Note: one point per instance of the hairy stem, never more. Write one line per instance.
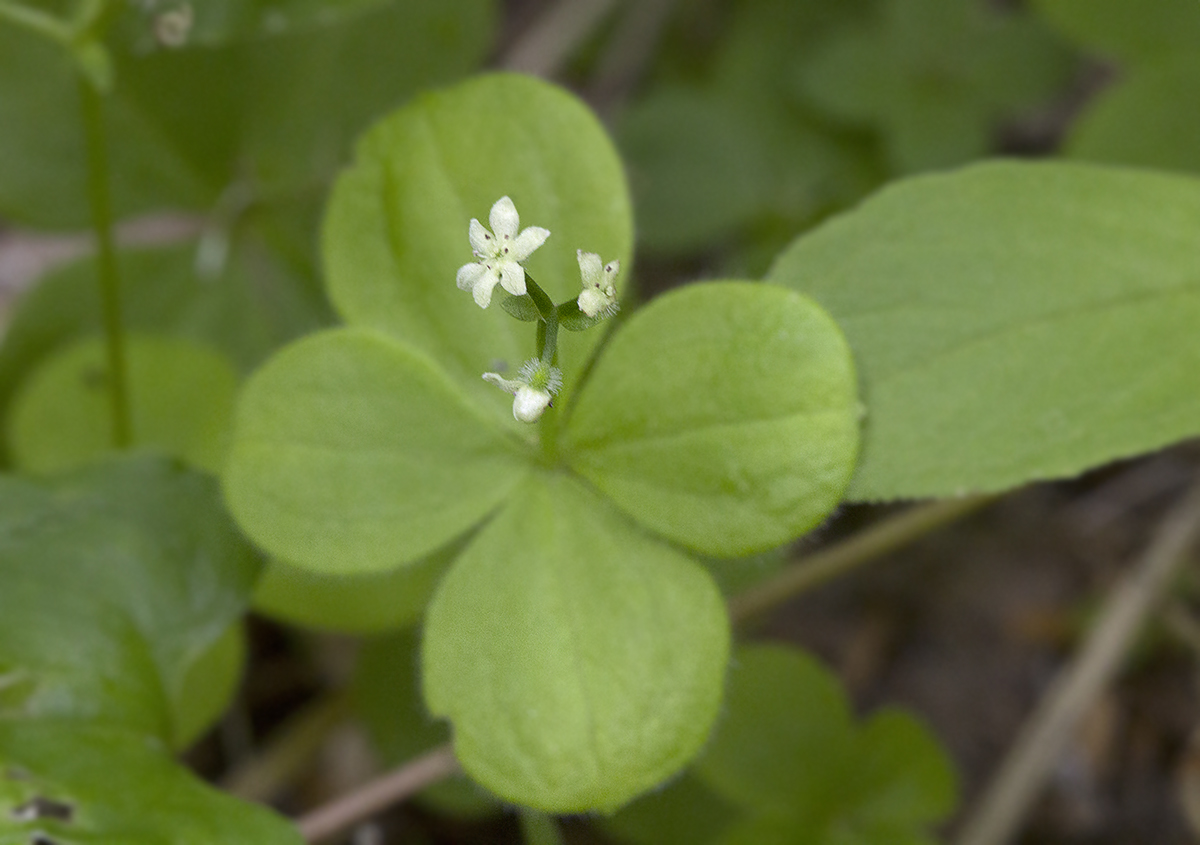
(100, 197)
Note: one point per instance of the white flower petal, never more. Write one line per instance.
(505, 384)
(590, 267)
(504, 219)
(611, 269)
(482, 242)
(482, 291)
(468, 275)
(512, 277)
(530, 403)
(527, 242)
(592, 302)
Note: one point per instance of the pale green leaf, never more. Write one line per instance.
(723, 416)
(180, 401)
(354, 454)
(1012, 322)
(363, 603)
(396, 231)
(579, 662)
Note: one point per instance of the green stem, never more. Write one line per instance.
(538, 828)
(883, 537)
(100, 197)
(37, 21)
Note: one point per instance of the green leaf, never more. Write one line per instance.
(42, 160)
(210, 684)
(116, 580)
(215, 22)
(245, 311)
(1130, 31)
(935, 76)
(699, 171)
(521, 307)
(685, 812)
(783, 742)
(180, 395)
(355, 604)
(788, 752)
(388, 699)
(396, 230)
(115, 788)
(723, 416)
(579, 662)
(1012, 322)
(354, 454)
(1150, 117)
(193, 128)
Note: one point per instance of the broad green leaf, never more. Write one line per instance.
(180, 397)
(579, 662)
(783, 742)
(357, 604)
(249, 308)
(42, 159)
(396, 230)
(934, 76)
(227, 125)
(1129, 31)
(699, 171)
(354, 454)
(723, 416)
(76, 783)
(116, 580)
(1150, 118)
(1012, 322)
(788, 753)
(214, 22)
(685, 812)
(387, 697)
(209, 685)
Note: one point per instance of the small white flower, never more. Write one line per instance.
(599, 296)
(499, 253)
(534, 386)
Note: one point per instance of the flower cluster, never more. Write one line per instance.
(500, 255)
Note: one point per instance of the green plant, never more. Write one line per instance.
(565, 551)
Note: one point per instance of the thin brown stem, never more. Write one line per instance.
(289, 751)
(885, 536)
(376, 796)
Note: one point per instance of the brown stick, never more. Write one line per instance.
(376, 796)
(999, 813)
